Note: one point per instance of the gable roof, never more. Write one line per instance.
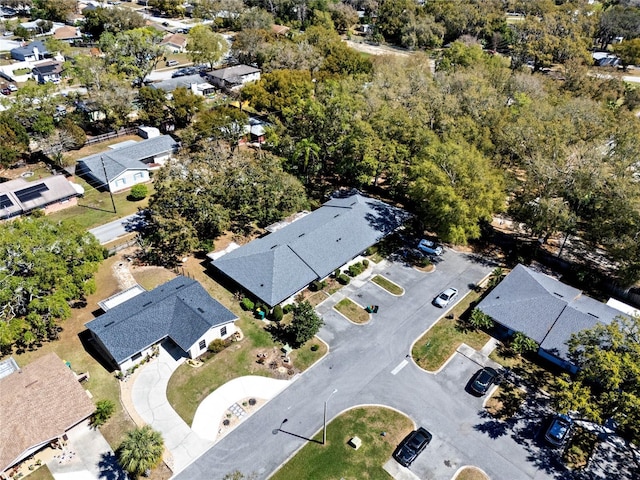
(127, 157)
(544, 309)
(38, 404)
(27, 50)
(180, 309)
(47, 68)
(67, 32)
(170, 84)
(278, 265)
(176, 39)
(20, 196)
(233, 74)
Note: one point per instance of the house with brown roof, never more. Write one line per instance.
(175, 43)
(279, 30)
(40, 403)
(67, 34)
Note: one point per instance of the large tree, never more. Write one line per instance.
(205, 46)
(141, 450)
(46, 265)
(607, 385)
(15, 139)
(304, 325)
(114, 20)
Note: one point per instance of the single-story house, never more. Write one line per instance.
(67, 33)
(279, 29)
(34, 51)
(126, 163)
(233, 77)
(545, 310)
(605, 59)
(277, 266)
(180, 310)
(40, 403)
(195, 83)
(54, 193)
(175, 43)
(49, 71)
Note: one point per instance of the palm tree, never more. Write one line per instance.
(307, 153)
(141, 450)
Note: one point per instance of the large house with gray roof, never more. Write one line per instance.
(127, 163)
(279, 265)
(545, 310)
(180, 311)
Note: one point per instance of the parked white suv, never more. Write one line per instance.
(429, 247)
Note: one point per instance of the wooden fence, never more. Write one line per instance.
(109, 135)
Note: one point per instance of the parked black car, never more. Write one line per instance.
(412, 446)
(483, 379)
(559, 430)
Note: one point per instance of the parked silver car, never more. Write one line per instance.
(445, 297)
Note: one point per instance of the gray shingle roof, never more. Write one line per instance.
(27, 50)
(276, 266)
(170, 84)
(180, 309)
(544, 309)
(233, 73)
(128, 157)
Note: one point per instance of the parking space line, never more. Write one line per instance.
(400, 366)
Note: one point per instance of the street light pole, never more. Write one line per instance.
(324, 422)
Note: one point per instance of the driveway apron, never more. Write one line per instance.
(149, 395)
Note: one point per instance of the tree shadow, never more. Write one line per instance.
(109, 468)
(493, 428)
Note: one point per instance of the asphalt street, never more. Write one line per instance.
(111, 231)
(368, 364)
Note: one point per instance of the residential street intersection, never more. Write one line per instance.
(368, 364)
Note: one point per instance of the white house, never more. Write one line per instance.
(179, 311)
(234, 77)
(126, 164)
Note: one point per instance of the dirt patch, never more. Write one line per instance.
(505, 402)
(273, 359)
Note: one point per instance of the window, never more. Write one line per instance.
(223, 331)
(137, 356)
(138, 176)
(120, 182)
(202, 344)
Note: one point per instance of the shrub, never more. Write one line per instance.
(343, 279)
(356, 269)
(217, 345)
(369, 251)
(247, 304)
(314, 347)
(138, 192)
(520, 343)
(104, 410)
(277, 313)
(424, 262)
(287, 308)
(336, 273)
(365, 263)
(317, 285)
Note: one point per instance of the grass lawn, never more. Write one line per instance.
(42, 473)
(441, 341)
(95, 208)
(353, 312)
(577, 454)
(388, 285)
(337, 460)
(471, 473)
(505, 402)
(102, 384)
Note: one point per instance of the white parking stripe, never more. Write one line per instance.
(400, 366)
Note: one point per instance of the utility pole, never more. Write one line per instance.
(104, 169)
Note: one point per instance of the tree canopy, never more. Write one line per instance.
(46, 265)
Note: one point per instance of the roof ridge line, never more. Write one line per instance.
(303, 260)
(566, 305)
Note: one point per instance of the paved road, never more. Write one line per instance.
(111, 231)
(360, 366)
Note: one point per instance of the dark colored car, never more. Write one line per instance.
(5, 91)
(483, 379)
(412, 446)
(559, 430)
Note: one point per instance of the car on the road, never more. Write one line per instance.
(444, 298)
(5, 91)
(165, 24)
(483, 379)
(12, 87)
(430, 247)
(559, 430)
(412, 445)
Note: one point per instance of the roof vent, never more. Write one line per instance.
(353, 204)
(339, 239)
(146, 304)
(109, 324)
(556, 293)
(180, 286)
(593, 315)
(200, 310)
(336, 215)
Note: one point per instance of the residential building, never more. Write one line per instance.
(231, 78)
(40, 403)
(175, 43)
(33, 51)
(126, 164)
(49, 71)
(179, 311)
(275, 267)
(545, 310)
(54, 193)
(67, 33)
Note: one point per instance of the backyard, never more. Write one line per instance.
(380, 430)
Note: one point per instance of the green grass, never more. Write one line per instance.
(42, 473)
(433, 349)
(337, 460)
(583, 443)
(95, 207)
(388, 285)
(304, 357)
(352, 311)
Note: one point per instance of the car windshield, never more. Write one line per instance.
(444, 296)
(559, 428)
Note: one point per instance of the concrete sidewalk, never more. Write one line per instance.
(212, 409)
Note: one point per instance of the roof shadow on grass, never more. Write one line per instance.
(92, 349)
